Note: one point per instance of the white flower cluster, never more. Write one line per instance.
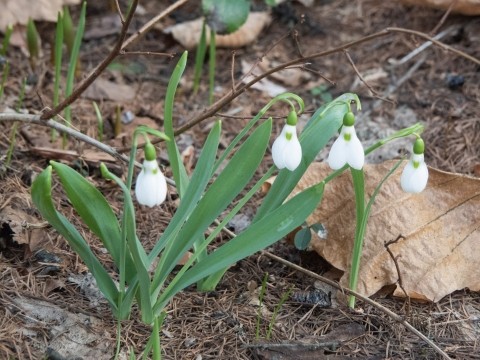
(347, 149)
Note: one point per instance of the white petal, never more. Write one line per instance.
(287, 152)
(337, 157)
(278, 151)
(151, 185)
(293, 154)
(355, 153)
(414, 180)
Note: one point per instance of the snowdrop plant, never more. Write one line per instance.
(144, 277)
(415, 174)
(151, 185)
(286, 150)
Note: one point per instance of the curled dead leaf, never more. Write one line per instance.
(188, 33)
(439, 251)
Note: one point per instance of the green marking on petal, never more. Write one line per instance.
(416, 164)
(154, 171)
(288, 136)
(347, 137)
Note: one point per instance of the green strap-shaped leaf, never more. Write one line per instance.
(199, 181)
(42, 198)
(137, 252)
(323, 125)
(258, 236)
(219, 195)
(178, 169)
(95, 212)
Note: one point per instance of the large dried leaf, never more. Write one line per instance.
(441, 227)
(188, 33)
(19, 11)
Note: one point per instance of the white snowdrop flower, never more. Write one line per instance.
(347, 149)
(415, 174)
(286, 149)
(151, 185)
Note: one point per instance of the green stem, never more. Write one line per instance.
(359, 187)
(157, 324)
(211, 69)
(119, 332)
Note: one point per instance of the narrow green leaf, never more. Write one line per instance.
(362, 225)
(75, 51)
(211, 67)
(258, 236)
(95, 212)
(199, 182)
(219, 195)
(6, 40)
(200, 58)
(140, 261)
(42, 198)
(58, 58)
(178, 169)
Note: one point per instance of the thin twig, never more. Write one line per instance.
(362, 79)
(297, 43)
(436, 42)
(365, 299)
(422, 47)
(397, 267)
(444, 17)
(119, 11)
(139, 33)
(318, 73)
(148, 53)
(85, 83)
(226, 99)
(36, 119)
(120, 46)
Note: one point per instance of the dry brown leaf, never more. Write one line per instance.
(441, 228)
(19, 11)
(188, 33)
(466, 7)
(24, 228)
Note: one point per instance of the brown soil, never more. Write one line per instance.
(436, 87)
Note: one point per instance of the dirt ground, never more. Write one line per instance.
(49, 307)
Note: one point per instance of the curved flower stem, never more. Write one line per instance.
(358, 177)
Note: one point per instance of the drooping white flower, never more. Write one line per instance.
(151, 185)
(286, 149)
(347, 149)
(415, 174)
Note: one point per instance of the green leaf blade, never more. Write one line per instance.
(42, 198)
(219, 195)
(178, 169)
(258, 236)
